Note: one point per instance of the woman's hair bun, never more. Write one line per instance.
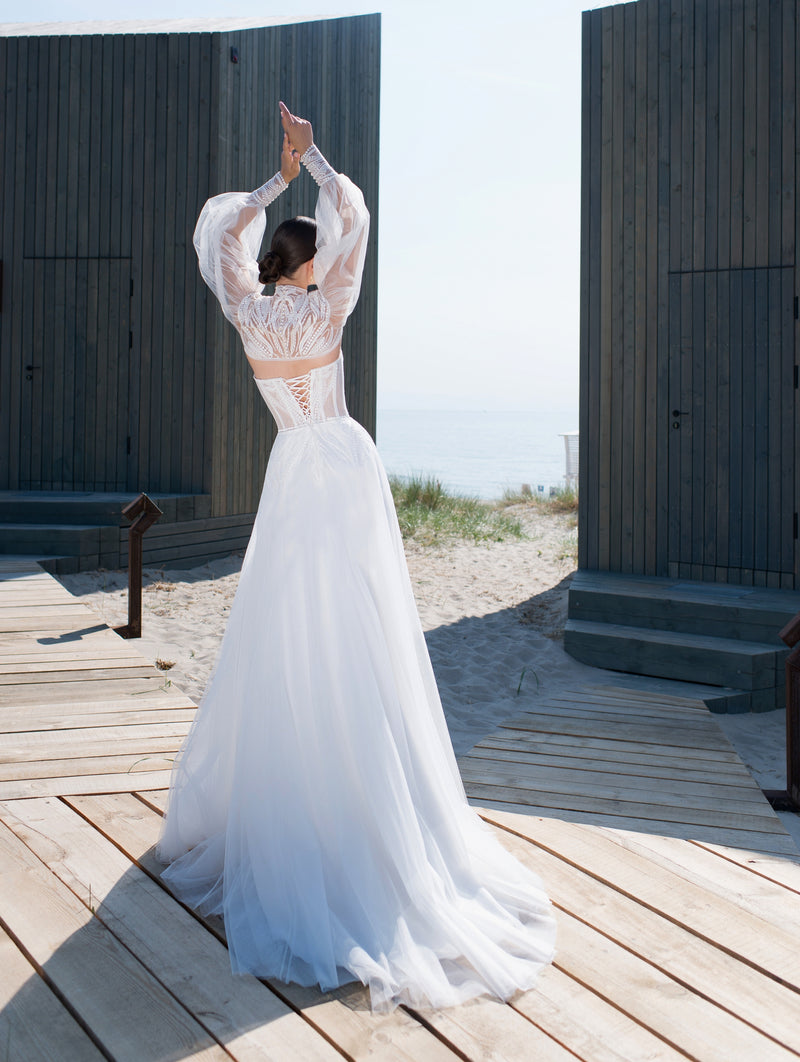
(270, 268)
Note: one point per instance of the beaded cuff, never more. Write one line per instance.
(268, 192)
(317, 165)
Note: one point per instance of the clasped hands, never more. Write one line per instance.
(298, 137)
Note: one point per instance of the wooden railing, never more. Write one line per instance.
(144, 512)
(788, 799)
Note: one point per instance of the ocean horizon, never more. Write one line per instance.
(477, 452)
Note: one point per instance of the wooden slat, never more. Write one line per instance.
(254, 1023)
(723, 987)
(726, 922)
(734, 882)
(34, 1024)
(128, 1010)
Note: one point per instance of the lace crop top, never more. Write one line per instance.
(293, 323)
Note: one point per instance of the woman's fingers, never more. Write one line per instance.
(299, 130)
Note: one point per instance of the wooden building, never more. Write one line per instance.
(118, 372)
(689, 470)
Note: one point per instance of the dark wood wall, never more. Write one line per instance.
(689, 405)
(111, 143)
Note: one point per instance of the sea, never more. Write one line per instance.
(481, 453)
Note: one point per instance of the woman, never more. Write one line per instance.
(316, 803)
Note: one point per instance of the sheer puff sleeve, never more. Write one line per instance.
(342, 231)
(228, 238)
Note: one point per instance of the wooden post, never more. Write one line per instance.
(143, 512)
(789, 799)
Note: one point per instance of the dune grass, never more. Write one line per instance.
(564, 500)
(430, 515)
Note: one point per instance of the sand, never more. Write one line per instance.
(493, 615)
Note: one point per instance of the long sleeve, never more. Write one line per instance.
(342, 231)
(228, 238)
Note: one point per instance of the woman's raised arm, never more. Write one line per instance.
(229, 233)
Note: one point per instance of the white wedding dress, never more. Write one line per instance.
(316, 803)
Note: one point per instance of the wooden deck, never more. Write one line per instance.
(675, 883)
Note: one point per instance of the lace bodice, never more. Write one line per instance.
(292, 324)
(314, 396)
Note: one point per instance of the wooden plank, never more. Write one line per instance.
(587, 1025)
(486, 1025)
(341, 1016)
(720, 921)
(25, 674)
(666, 794)
(44, 744)
(66, 785)
(586, 726)
(736, 1000)
(238, 1012)
(782, 868)
(585, 762)
(776, 846)
(34, 1023)
(52, 770)
(605, 352)
(719, 877)
(131, 1015)
(68, 718)
(615, 366)
(603, 745)
(637, 327)
(737, 134)
(705, 818)
(79, 692)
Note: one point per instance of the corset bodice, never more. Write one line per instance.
(312, 397)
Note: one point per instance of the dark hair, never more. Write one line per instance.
(293, 243)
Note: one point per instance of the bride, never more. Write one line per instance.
(316, 803)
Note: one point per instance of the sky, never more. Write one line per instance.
(479, 190)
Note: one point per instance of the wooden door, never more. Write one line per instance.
(76, 350)
(732, 411)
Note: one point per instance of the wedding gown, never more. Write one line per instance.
(316, 803)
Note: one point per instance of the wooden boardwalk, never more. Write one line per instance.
(675, 883)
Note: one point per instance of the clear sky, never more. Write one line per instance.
(480, 190)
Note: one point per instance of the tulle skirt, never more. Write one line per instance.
(316, 803)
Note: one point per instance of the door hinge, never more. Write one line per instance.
(796, 376)
(129, 450)
(797, 307)
(130, 340)
(132, 289)
(795, 525)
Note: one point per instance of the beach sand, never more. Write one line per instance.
(493, 615)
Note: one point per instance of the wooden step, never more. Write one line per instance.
(94, 507)
(745, 613)
(752, 666)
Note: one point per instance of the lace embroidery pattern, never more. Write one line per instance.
(288, 324)
(317, 165)
(269, 192)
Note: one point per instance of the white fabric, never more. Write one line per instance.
(316, 803)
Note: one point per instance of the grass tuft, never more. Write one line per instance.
(430, 515)
(564, 500)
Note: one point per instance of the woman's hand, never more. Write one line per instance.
(298, 130)
(290, 161)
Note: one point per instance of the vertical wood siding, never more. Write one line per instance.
(689, 418)
(111, 144)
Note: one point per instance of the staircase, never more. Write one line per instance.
(722, 636)
(71, 531)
